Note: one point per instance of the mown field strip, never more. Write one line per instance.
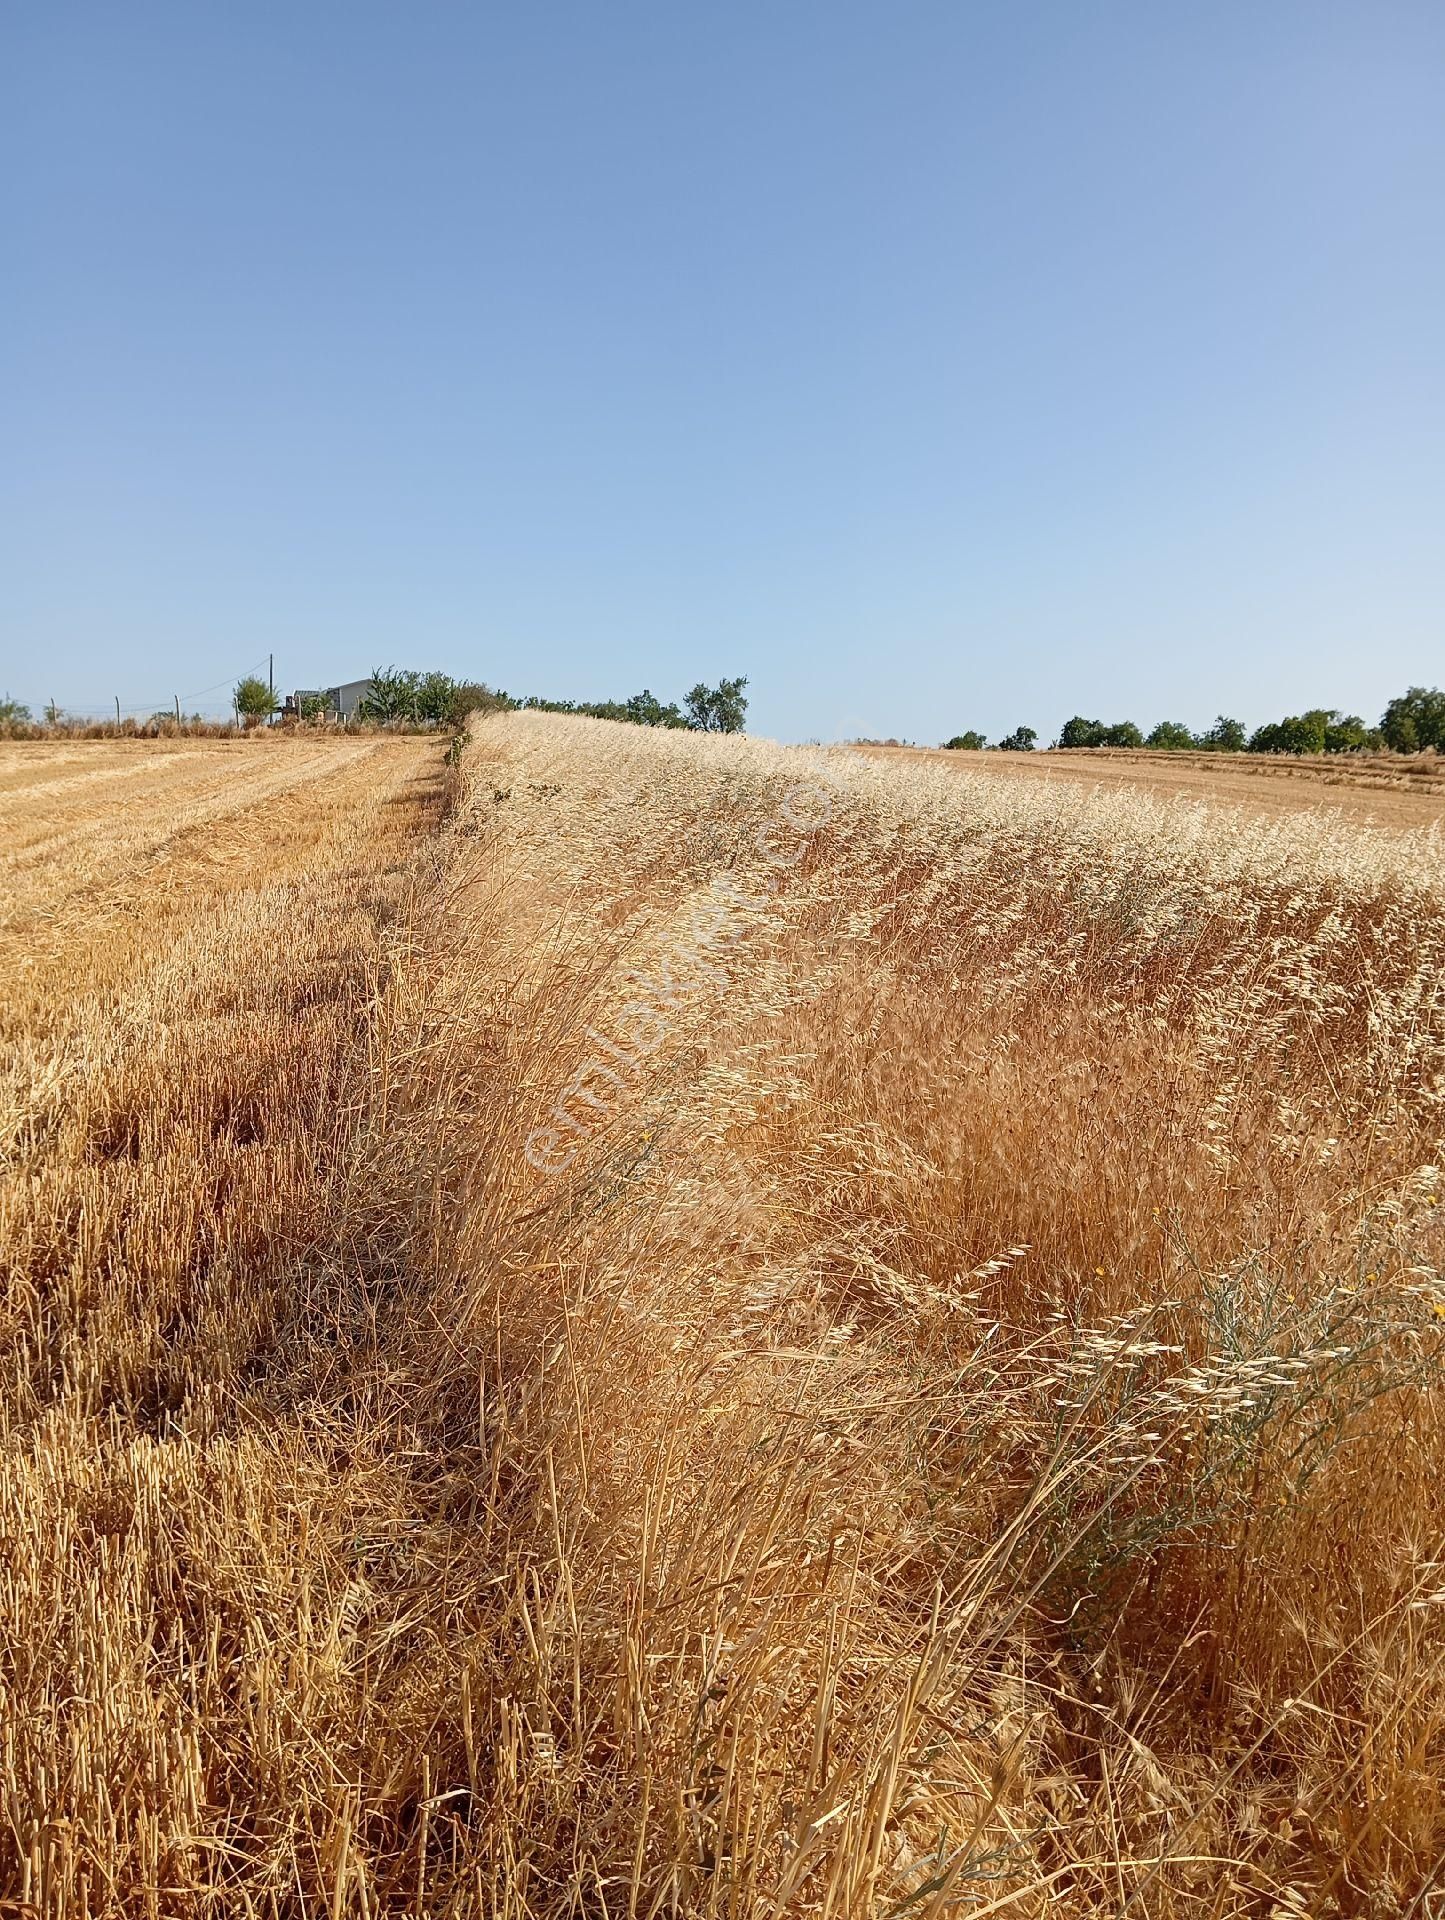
(1395, 792)
(33, 778)
(202, 830)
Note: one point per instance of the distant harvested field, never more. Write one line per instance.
(652, 1324)
(108, 848)
(1389, 790)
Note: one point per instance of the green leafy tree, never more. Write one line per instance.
(1021, 740)
(432, 698)
(1414, 721)
(13, 713)
(719, 709)
(646, 710)
(1347, 733)
(393, 696)
(1170, 736)
(970, 742)
(312, 706)
(1080, 732)
(1296, 733)
(255, 701)
(1225, 736)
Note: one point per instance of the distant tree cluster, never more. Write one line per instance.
(638, 709)
(1080, 732)
(1021, 740)
(399, 695)
(719, 709)
(427, 699)
(1415, 720)
(1412, 723)
(1169, 736)
(1320, 730)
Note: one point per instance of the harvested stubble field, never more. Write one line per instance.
(1386, 789)
(649, 1324)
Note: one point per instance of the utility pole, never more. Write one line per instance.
(117, 713)
(178, 709)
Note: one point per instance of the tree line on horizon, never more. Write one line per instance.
(399, 694)
(1413, 722)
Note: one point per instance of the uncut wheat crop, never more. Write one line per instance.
(650, 1324)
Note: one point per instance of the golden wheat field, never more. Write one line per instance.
(633, 1323)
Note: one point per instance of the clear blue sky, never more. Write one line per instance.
(935, 365)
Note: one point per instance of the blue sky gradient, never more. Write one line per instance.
(935, 365)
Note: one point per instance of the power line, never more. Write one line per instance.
(164, 701)
(151, 706)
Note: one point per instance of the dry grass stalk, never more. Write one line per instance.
(960, 1432)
